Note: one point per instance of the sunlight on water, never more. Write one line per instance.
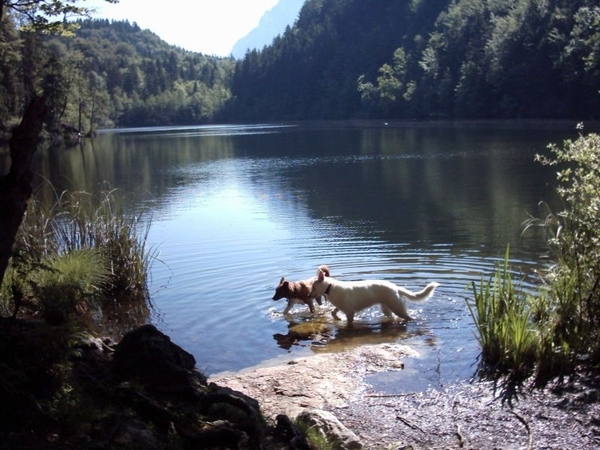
(201, 130)
(228, 238)
(236, 207)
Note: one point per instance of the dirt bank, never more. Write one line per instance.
(481, 415)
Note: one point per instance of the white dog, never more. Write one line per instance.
(353, 296)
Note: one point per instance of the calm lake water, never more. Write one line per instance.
(234, 208)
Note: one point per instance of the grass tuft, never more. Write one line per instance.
(504, 324)
(83, 251)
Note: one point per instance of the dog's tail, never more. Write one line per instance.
(420, 296)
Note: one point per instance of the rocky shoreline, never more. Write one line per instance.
(61, 391)
(478, 415)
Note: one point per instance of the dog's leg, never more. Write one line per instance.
(385, 309)
(288, 307)
(310, 306)
(350, 317)
(334, 314)
(399, 308)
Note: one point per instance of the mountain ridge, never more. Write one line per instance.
(272, 23)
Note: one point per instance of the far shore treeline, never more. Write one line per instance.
(342, 59)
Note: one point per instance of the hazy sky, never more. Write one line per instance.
(211, 27)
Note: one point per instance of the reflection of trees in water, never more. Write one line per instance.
(146, 165)
(441, 183)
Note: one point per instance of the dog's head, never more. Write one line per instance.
(293, 289)
(282, 290)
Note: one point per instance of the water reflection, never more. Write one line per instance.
(234, 209)
(321, 333)
(406, 183)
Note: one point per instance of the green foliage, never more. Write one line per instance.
(574, 281)
(82, 253)
(391, 85)
(46, 16)
(458, 59)
(111, 74)
(315, 437)
(558, 329)
(67, 282)
(342, 59)
(311, 71)
(508, 338)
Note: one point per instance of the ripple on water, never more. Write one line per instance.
(228, 241)
(219, 300)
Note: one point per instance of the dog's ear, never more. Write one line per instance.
(282, 280)
(320, 275)
(325, 269)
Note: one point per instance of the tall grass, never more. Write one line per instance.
(69, 281)
(504, 323)
(82, 249)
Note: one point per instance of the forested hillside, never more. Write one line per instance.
(427, 59)
(342, 59)
(110, 74)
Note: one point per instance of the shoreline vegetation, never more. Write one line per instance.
(86, 254)
(81, 254)
(554, 333)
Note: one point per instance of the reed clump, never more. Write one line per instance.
(503, 318)
(81, 252)
(557, 330)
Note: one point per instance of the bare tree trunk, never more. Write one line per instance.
(15, 187)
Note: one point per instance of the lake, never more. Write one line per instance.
(236, 207)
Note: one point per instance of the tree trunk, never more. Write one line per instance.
(15, 187)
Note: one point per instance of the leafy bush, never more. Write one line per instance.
(573, 281)
(69, 281)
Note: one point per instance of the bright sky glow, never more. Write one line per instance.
(211, 27)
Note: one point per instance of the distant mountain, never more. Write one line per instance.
(272, 24)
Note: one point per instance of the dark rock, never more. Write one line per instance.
(148, 356)
(134, 434)
(222, 437)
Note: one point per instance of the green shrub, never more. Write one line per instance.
(82, 250)
(73, 280)
(573, 282)
(315, 438)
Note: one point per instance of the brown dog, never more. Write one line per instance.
(298, 291)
